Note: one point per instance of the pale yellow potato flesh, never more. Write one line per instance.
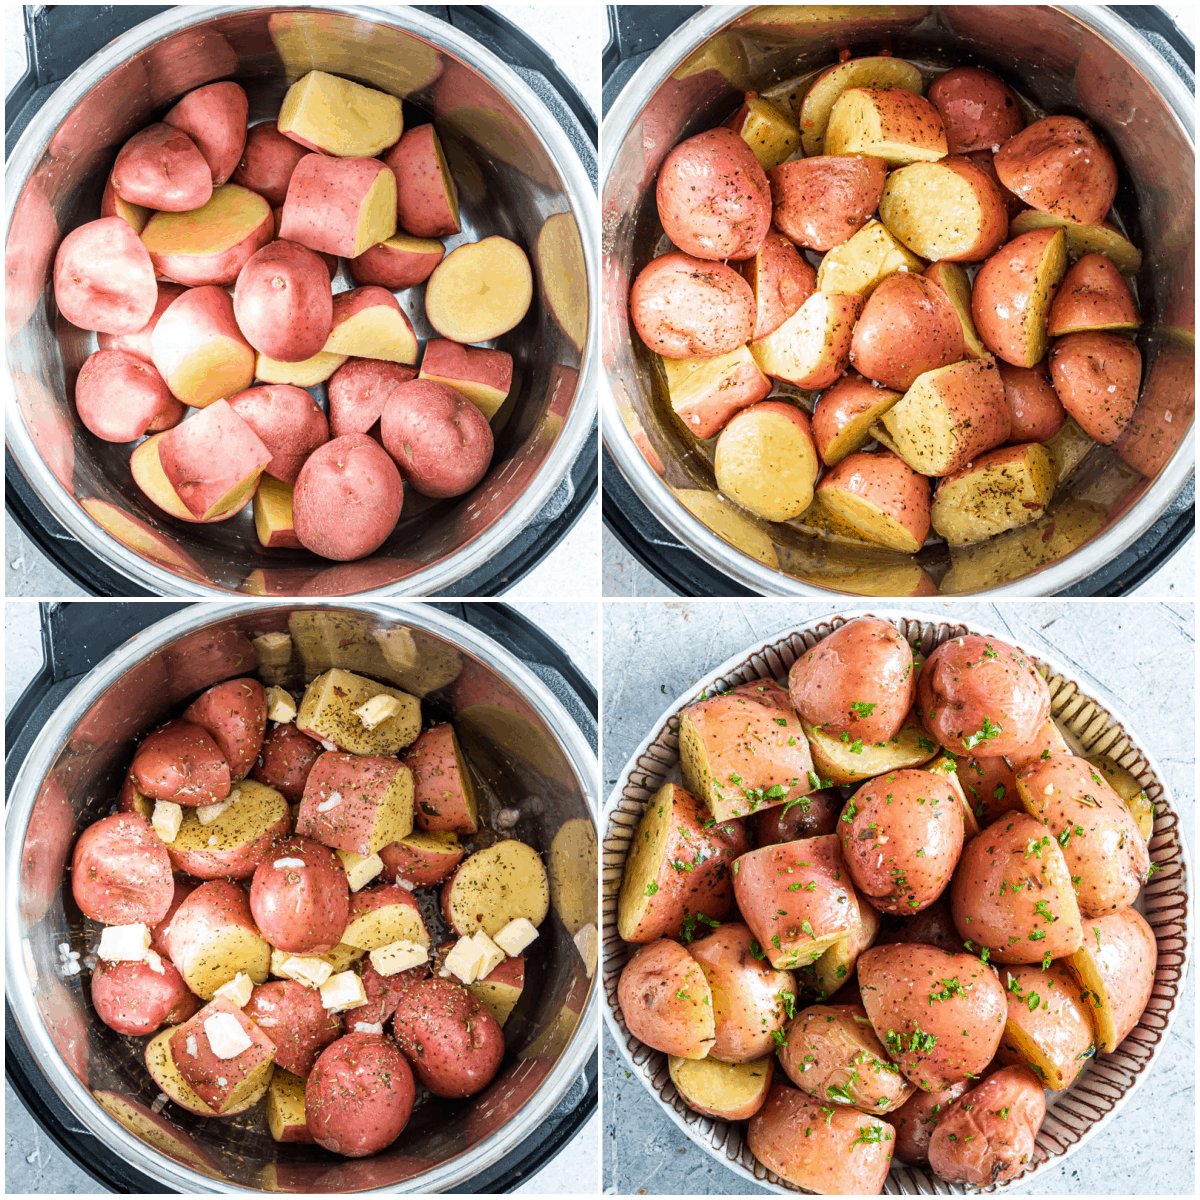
(767, 464)
(772, 136)
(479, 291)
(305, 374)
(230, 949)
(380, 332)
(714, 1087)
(499, 884)
(873, 524)
(341, 117)
(385, 925)
(933, 211)
(954, 281)
(161, 1065)
(328, 711)
(497, 997)
(979, 503)
(1083, 239)
(256, 809)
(814, 109)
(230, 216)
(643, 864)
(860, 264)
(853, 761)
(285, 1103)
(1127, 787)
(857, 126)
(1068, 448)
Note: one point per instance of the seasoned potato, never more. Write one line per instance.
(844, 414)
(295, 1020)
(828, 974)
(666, 1001)
(1127, 787)
(1101, 843)
(136, 998)
(807, 817)
(300, 898)
(766, 460)
(233, 844)
(881, 497)
(379, 916)
(1049, 1026)
(853, 760)
(285, 1108)
(443, 790)
(781, 281)
(812, 347)
(212, 936)
(917, 1118)
(953, 280)
(120, 872)
(1092, 296)
(726, 1091)
(706, 392)
(220, 1081)
(182, 763)
(678, 866)
(1047, 741)
(1097, 376)
(160, 1063)
(494, 886)
(889, 123)
(940, 1016)
(356, 802)
(1012, 893)
(820, 202)
(1035, 412)
(1000, 490)
(979, 111)
(770, 133)
(858, 266)
(818, 101)
(328, 712)
(932, 926)
(1083, 238)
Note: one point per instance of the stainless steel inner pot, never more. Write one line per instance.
(1081, 60)
(528, 754)
(518, 175)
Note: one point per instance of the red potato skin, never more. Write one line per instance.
(394, 269)
(134, 999)
(286, 758)
(331, 261)
(419, 869)
(814, 815)
(684, 307)
(162, 168)
(422, 208)
(991, 787)
(288, 421)
(820, 202)
(358, 390)
(361, 780)
(983, 160)
(969, 678)
(158, 935)
(1093, 292)
(978, 110)
(295, 1020)
(1125, 938)
(908, 326)
(384, 991)
(445, 362)
(709, 411)
(453, 1043)
(196, 315)
(1008, 274)
(215, 903)
(323, 201)
(267, 162)
(347, 498)
(714, 200)
(347, 305)
(104, 279)
(889, 483)
(916, 1119)
(302, 910)
(840, 403)
(439, 796)
(1084, 367)
(214, 117)
(138, 344)
(236, 862)
(359, 1095)
(180, 762)
(440, 441)
(234, 714)
(282, 301)
(120, 872)
(119, 397)
(1034, 408)
(213, 1078)
(781, 280)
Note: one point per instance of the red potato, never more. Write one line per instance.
(356, 802)
(766, 460)
(714, 201)
(908, 326)
(1092, 296)
(666, 1001)
(819, 202)
(146, 467)
(684, 307)
(267, 162)
(397, 263)
(340, 206)
(990, 785)
(440, 441)
(232, 844)
(844, 414)
(1035, 410)
(199, 350)
(443, 792)
(304, 374)
(811, 816)
(954, 281)
(299, 897)
(384, 991)
(162, 168)
(359, 1095)
(894, 124)
(812, 347)
(221, 1082)
(285, 760)
(135, 999)
(984, 160)
(781, 281)
(212, 937)
(213, 461)
(285, 1108)
(182, 763)
(273, 514)
(120, 872)
(288, 421)
(1097, 377)
(337, 116)
(453, 1043)
(422, 859)
(214, 117)
(331, 262)
(111, 205)
(479, 291)
(347, 498)
(358, 390)
(295, 1020)
(706, 392)
(282, 302)
(158, 935)
(426, 195)
(1058, 165)
(103, 278)
(881, 497)
(917, 1118)
(138, 343)
(119, 397)
(1115, 966)
(234, 714)
(368, 322)
(483, 376)
(978, 110)
(382, 915)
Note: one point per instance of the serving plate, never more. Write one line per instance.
(1091, 720)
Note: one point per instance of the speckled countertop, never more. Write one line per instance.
(1144, 653)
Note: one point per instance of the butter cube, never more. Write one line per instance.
(398, 956)
(280, 705)
(273, 649)
(124, 943)
(342, 992)
(311, 972)
(516, 935)
(493, 956)
(237, 990)
(206, 814)
(166, 819)
(359, 870)
(377, 710)
(226, 1037)
(464, 960)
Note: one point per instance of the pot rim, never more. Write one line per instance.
(742, 567)
(579, 191)
(48, 744)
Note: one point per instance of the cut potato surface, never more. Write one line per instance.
(881, 497)
(953, 280)
(889, 123)
(818, 102)
(706, 392)
(285, 1107)
(726, 1091)
(1140, 806)
(305, 374)
(1083, 239)
(858, 266)
(998, 491)
(1049, 1026)
(233, 844)
(811, 348)
(165, 1073)
(328, 714)
(339, 117)
(766, 130)
(766, 460)
(726, 520)
(479, 291)
(852, 761)
(494, 886)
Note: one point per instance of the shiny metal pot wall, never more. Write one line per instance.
(529, 756)
(517, 174)
(1082, 60)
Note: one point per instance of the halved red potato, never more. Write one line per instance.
(1049, 1026)
(158, 935)
(212, 937)
(705, 392)
(1012, 204)
(267, 162)
(285, 1107)
(881, 71)
(1000, 490)
(1047, 741)
(111, 205)
(858, 266)
(812, 347)
(232, 845)
(853, 760)
(160, 167)
(162, 1068)
(1035, 412)
(882, 497)
(978, 110)
(426, 194)
(766, 460)
(1013, 292)
(444, 798)
(182, 763)
(300, 898)
(780, 279)
(763, 126)
(1097, 377)
(422, 859)
(119, 397)
(234, 714)
(382, 915)
(835, 968)
(949, 210)
(726, 1091)
(136, 998)
(397, 263)
(295, 1020)
(138, 344)
(103, 278)
(1092, 296)
(666, 1001)
(820, 202)
(1083, 238)
(952, 279)
(889, 123)
(1059, 166)
(214, 117)
(494, 886)
(1127, 786)
(844, 414)
(220, 1080)
(286, 758)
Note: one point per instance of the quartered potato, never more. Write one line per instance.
(1000, 490)
(328, 713)
(818, 101)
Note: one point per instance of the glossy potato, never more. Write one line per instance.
(236, 841)
(881, 498)
(766, 460)
(858, 266)
(781, 280)
(1093, 296)
(182, 763)
(820, 202)
(1049, 1025)
(1000, 490)
(844, 414)
(978, 110)
(917, 1118)
(884, 71)
(134, 998)
(889, 123)
(836, 966)
(812, 347)
(766, 130)
(807, 817)
(1084, 238)
(666, 1002)
(295, 1020)
(299, 897)
(726, 1091)
(705, 392)
(1097, 376)
(1035, 412)
(120, 872)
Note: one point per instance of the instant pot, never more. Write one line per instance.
(671, 72)
(527, 721)
(521, 144)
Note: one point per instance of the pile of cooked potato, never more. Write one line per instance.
(944, 275)
(209, 279)
(904, 964)
(254, 891)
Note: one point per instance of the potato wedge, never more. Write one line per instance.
(706, 392)
(494, 886)
(812, 347)
(1129, 789)
(238, 840)
(1000, 490)
(726, 1091)
(285, 1108)
(730, 522)
(837, 964)
(1068, 447)
(781, 281)
(766, 129)
(1049, 1026)
(1035, 412)
(1097, 376)
(878, 72)
(858, 266)
(890, 123)
(766, 460)
(1093, 296)
(844, 414)
(952, 279)
(380, 916)
(1083, 239)
(161, 1065)
(880, 496)
(851, 761)
(328, 713)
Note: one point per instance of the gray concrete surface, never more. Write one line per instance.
(1144, 653)
(34, 1165)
